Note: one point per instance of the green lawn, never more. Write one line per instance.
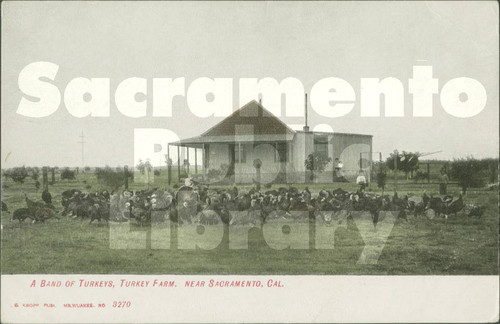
(419, 246)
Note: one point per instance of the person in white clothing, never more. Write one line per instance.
(338, 169)
(361, 180)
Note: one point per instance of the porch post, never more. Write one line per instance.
(169, 167)
(286, 162)
(187, 157)
(334, 172)
(178, 163)
(239, 162)
(290, 159)
(277, 157)
(204, 160)
(195, 160)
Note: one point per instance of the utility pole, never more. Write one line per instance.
(82, 142)
(396, 156)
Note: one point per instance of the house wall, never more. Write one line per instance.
(327, 175)
(245, 172)
(301, 146)
(348, 147)
(218, 155)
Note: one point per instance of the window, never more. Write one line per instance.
(238, 153)
(321, 144)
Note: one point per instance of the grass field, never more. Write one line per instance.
(419, 246)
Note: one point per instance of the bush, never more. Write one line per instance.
(109, 178)
(66, 173)
(316, 161)
(157, 172)
(469, 173)
(18, 174)
(381, 179)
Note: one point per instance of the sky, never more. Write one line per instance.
(305, 40)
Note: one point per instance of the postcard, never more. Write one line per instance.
(249, 161)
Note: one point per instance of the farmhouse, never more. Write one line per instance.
(254, 145)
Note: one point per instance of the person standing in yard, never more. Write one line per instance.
(338, 169)
(443, 182)
(361, 180)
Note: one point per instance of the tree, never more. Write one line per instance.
(406, 162)
(316, 161)
(18, 174)
(6, 174)
(466, 171)
(66, 173)
(35, 173)
(381, 180)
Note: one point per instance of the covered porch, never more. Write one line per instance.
(232, 158)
